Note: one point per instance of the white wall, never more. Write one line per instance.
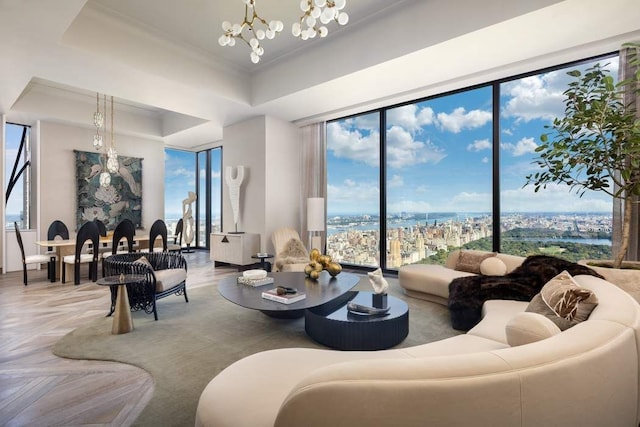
(269, 148)
(57, 173)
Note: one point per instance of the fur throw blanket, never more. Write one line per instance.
(467, 294)
(293, 252)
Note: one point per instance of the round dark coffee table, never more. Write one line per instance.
(334, 326)
(318, 292)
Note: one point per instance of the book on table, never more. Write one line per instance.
(272, 294)
(255, 282)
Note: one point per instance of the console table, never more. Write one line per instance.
(235, 249)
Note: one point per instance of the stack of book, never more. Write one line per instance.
(272, 294)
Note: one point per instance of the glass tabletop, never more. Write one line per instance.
(123, 279)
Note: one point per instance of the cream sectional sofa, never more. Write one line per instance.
(431, 282)
(586, 375)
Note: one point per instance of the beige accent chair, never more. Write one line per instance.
(282, 260)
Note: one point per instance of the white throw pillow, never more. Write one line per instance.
(526, 327)
(493, 266)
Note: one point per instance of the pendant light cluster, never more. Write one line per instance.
(316, 15)
(109, 151)
(249, 32)
(324, 11)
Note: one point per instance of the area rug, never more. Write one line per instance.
(191, 343)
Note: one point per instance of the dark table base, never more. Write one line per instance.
(334, 326)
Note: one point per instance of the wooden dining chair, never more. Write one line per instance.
(158, 229)
(56, 229)
(87, 232)
(125, 230)
(30, 259)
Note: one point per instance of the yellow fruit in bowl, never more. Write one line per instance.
(314, 274)
(314, 254)
(334, 269)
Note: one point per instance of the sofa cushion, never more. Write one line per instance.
(469, 261)
(525, 328)
(167, 279)
(563, 301)
(568, 299)
(495, 316)
(493, 266)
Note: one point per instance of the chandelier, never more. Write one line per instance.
(324, 11)
(249, 32)
(109, 152)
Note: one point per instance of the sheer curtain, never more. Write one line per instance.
(313, 170)
(626, 70)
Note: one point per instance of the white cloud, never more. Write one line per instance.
(352, 144)
(555, 198)
(183, 172)
(395, 181)
(485, 160)
(459, 119)
(479, 145)
(535, 97)
(541, 96)
(364, 196)
(410, 117)
(522, 147)
(215, 174)
(403, 150)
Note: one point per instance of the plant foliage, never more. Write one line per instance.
(596, 145)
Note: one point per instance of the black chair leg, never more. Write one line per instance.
(64, 272)
(24, 274)
(52, 269)
(76, 273)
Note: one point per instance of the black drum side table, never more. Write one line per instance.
(336, 327)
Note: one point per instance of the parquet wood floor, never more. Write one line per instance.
(40, 389)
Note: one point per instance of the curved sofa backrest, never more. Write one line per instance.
(586, 375)
(511, 261)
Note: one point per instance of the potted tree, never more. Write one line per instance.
(596, 145)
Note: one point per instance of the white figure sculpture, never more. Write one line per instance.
(379, 283)
(234, 190)
(188, 230)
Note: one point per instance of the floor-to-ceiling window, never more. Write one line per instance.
(452, 175)
(199, 172)
(17, 168)
(353, 190)
(216, 190)
(179, 180)
(554, 220)
(438, 175)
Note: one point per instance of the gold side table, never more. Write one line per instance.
(122, 322)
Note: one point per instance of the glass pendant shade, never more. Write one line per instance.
(105, 179)
(98, 119)
(98, 142)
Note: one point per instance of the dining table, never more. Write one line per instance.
(64, 247)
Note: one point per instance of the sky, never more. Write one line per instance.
(13, 137)
(180, 178)
(439, 153)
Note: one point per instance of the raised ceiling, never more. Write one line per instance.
(162, 62)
